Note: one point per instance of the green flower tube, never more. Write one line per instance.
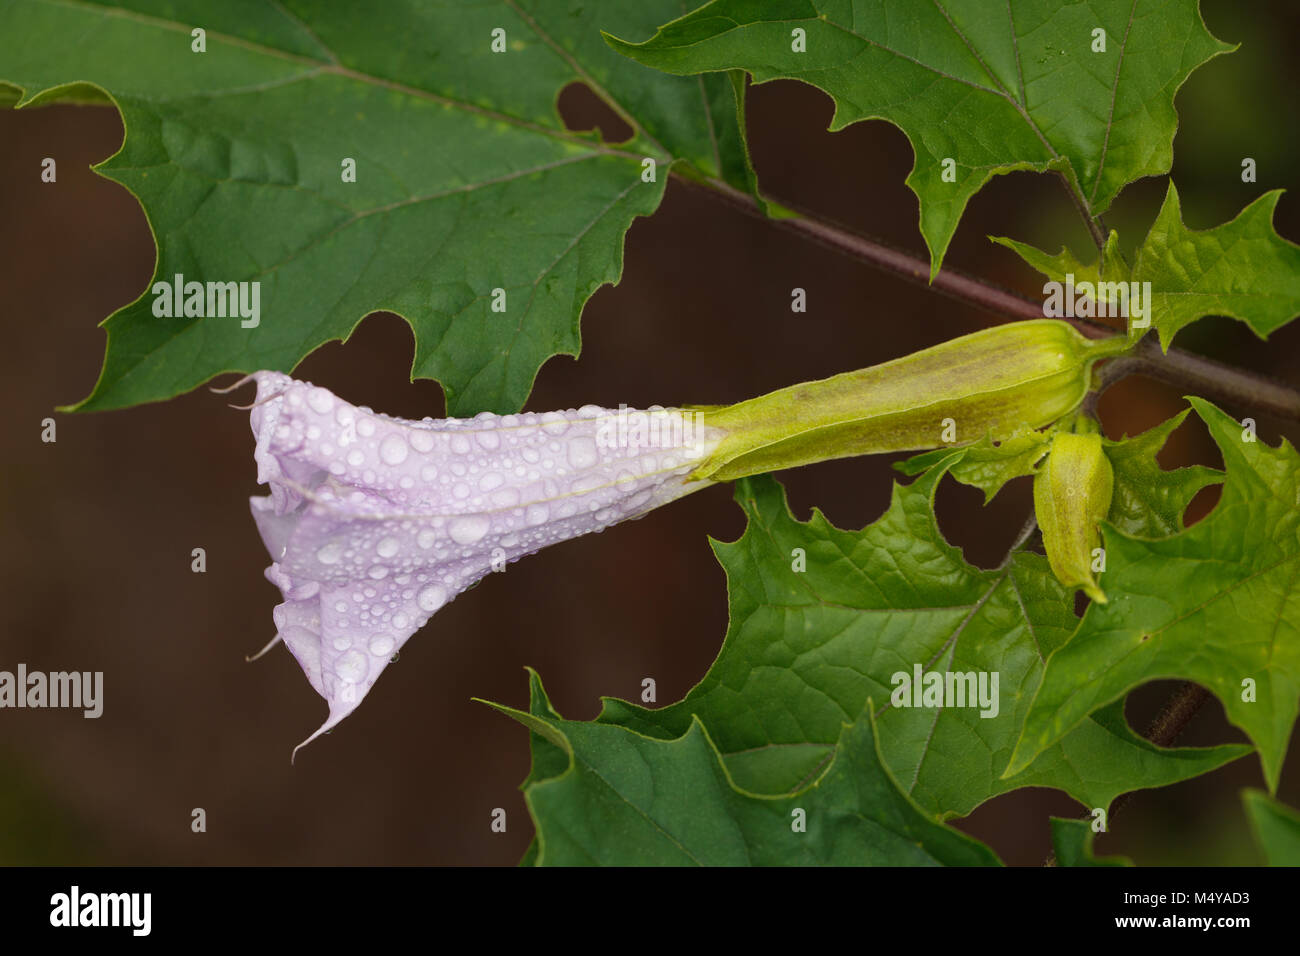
(994, 382)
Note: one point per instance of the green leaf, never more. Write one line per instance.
(1242, 269)
(531, 854)
(466, 179)
(1072, 843)
(1109, 264)
(549, 760)
(1148, 501)
(987, 465)
(1093, 283)
(624, 799)
(993, 87)
(1218, 604)
(806, 649)
(1276, 828)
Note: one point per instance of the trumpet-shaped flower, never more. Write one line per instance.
(373, 523)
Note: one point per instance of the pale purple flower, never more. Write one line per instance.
(374, 523)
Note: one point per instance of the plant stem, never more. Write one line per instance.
(1177, 714)
(1244, 389)
(1076, 196)
(1196, 373)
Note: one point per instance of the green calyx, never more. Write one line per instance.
(995, 382)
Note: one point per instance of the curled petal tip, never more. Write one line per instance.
(330, 723)
(260, 401)
(230, 388)
(249, 658)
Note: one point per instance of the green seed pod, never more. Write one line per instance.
(997, 381)
(1072, 492)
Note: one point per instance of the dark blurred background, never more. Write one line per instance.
(98, 527)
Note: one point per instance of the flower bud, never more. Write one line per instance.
(996, 382)
(1072, 493)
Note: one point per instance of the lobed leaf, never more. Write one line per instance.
(1242, 269)
(626, 799)
(1218, 603)
(806, 649)
(986, 464)
(466, 179)
(986, 88)
(1149, 501)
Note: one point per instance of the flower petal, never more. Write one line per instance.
(373, 523)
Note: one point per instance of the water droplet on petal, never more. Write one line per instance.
(505, 497)
(426, 538)
(393, 450)
(320, 400)
(582, 453)
(553, 423)
(381, 645)
(459, 444)
(352, 667)
(387, 547)
(537, 514)
(422, 440)
(432, 598)
(378, 571)
(469, 528)
(330, 553)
